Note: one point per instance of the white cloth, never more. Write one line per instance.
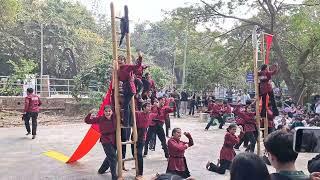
(318, 107)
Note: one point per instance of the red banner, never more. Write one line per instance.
(269, 42)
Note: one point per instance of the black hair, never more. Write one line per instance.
(248, 102)
(122, 57)
(30, 90)
(233, 125)
(248, 166)
(174, 130)
(144, 105)
(146, 74)
(263, 67)
(159, 98)
(280, 144)
(107, 107)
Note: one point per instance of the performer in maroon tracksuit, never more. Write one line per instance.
(216, 112)
(177, 163)
(138, 71)
(149, 87)
(156, 126)
(143, 120)
(126, 76)
(266, 88)
(227, 153)
(107, 125)
(31, 110)
(249, 124)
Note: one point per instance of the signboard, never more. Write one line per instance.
(250, 77)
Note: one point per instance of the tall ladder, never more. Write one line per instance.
(258, 39)
(115, 41)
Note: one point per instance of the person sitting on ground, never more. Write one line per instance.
(279, 148)
(227, 152)
(248, 166)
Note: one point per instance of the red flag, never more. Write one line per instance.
(269, 42)
(93, 133)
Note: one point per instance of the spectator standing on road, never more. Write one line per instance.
(176, 97)
(184, 102)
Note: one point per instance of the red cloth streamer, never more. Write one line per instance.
(269, 42)
(93, 133)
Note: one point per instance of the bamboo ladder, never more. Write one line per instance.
(117, 96)
(258, 60)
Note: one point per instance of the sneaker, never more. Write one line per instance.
(28, 133)
(33, 136)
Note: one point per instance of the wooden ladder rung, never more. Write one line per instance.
(128, 159)
(126, 127)
(123, 50)
(118, 32)
(261, 129)
(127, 142)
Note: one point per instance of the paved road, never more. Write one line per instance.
(22, 158)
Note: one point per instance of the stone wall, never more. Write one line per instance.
(17, 103)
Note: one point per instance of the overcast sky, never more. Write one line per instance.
(139, 10)
(151, 10)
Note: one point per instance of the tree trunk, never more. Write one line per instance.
(293, 89)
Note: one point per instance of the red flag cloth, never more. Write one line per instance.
(269, 42)
(93, 133)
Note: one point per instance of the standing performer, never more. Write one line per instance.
(156, 126)
(31, 110)
(138, 71)
(227, 153)
(216, 112)
(265, 88)
(177, 163)
(107, 125)
(249, 124)
(143, 121)
(169, 102)
(176, 97)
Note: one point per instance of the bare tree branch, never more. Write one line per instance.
(292, 44)
(238, 27)
(238, 51)
(264, 8)
(234, 17)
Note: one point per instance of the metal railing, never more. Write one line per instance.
(49, 87)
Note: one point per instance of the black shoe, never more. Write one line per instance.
(33, 136)
(28, 133)
(275, 112)
(101, 171)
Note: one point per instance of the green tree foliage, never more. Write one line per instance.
(8, 11)
(13, 84)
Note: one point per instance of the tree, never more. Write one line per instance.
(14, 82)
(272, 18)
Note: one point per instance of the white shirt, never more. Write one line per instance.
(318, 107)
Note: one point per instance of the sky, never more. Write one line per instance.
(151, 10)
(139, 10)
